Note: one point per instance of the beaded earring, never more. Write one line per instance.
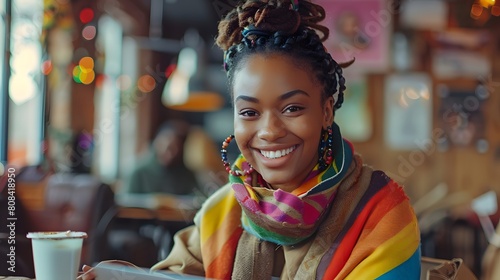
(326, 149)
(227, 165)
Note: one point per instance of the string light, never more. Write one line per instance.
(89, 32)
(146, 83)
(46, 67)
(86, 15)
(487, 3)
(479, 6)
(495, 10)
(83, 73)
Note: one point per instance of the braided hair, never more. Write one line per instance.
(279, 26)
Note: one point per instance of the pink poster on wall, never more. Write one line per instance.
(359, 29)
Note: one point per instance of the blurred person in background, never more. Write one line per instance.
(162, 169)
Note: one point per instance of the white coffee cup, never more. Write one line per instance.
(56, 255)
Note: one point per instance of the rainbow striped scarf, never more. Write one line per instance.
(287, 218)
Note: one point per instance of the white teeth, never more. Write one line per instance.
(278, 153)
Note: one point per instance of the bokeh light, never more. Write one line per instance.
(87, 77)
(46, 67)
(170, 69)
(86, 64)
(89, 32)
(83, 73)
(86, 15)
(99, 80)
(76, 74)
(476, 11)
(495, 11)
(21, 88)
(123, 82)
(26, 58)
(146, 83)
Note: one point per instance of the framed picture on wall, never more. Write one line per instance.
(461, 116)
(359, 29)
(355, 117)
(408, 110)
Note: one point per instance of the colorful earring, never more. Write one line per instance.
(227, 165)
(326, 149)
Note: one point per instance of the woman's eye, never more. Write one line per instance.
(248, 113)
(292, 109)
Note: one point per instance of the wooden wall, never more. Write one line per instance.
(461, 168)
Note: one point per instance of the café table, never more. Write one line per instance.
(160, 207)
(156, 216)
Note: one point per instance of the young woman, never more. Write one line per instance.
(300, 203)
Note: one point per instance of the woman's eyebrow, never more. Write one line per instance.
(282, 97)
(246, 98)
(292, 93)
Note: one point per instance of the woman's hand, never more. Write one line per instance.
(88, 274)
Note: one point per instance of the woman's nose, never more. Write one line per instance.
(272, 127)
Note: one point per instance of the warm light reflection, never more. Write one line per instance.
(146, 83)
(99, 80)
(487, 3)
(476, 11)
(411, 93)
(425, 94)
(495, 11)
(176, 90)
(402, 100)
(170, 69)
(84, 74)
(87, 77)
(89, 32)
(86, 64)
(46, 67)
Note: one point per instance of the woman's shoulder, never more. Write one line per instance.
(376, 177)
(218, 197)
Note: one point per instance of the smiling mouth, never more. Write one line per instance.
(278, 153)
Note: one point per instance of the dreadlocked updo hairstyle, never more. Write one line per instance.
(286, 27)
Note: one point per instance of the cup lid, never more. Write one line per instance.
(56, 234)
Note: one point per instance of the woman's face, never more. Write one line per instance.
(278, 116)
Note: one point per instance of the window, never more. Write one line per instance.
(25, 85)
(107, 102)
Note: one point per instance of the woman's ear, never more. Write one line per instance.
(328, 112)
